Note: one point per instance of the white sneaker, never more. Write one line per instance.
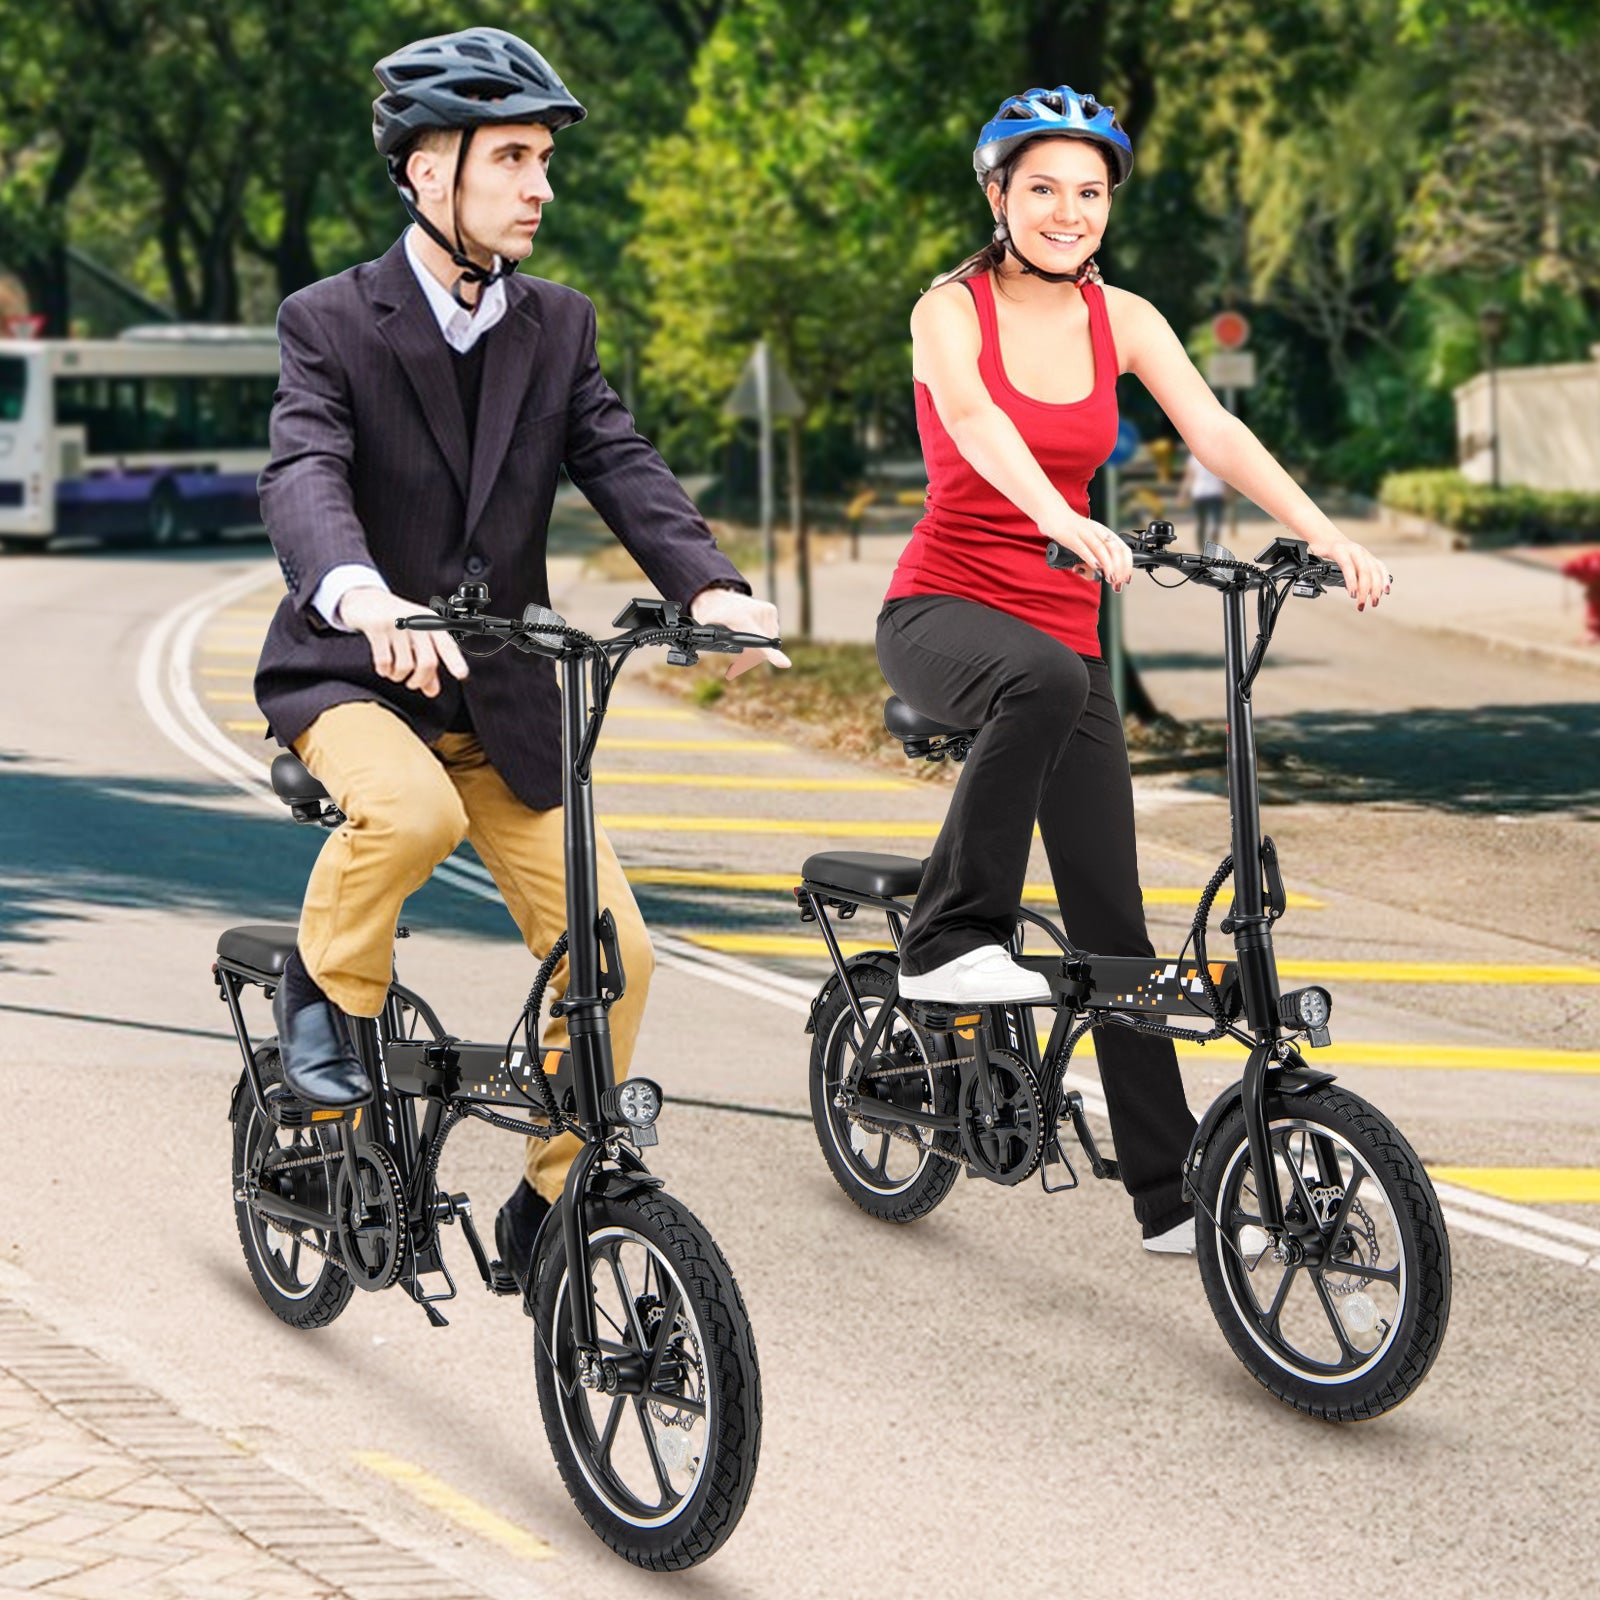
(1178, 1240)
(985, 976)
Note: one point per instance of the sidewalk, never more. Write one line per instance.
(107, 1491)
(1513, 602)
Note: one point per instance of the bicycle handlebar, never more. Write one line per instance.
(1283, 558)
(541, 631)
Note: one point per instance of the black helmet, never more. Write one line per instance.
(464, 80)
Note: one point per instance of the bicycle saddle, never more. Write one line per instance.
(292, 783)
(904, 723)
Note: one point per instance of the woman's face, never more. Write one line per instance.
(1057, 202)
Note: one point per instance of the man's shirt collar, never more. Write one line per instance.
(461, 328)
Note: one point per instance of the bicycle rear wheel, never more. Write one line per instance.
(1344, 1318)
(661, 1468)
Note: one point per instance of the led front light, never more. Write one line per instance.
(636, 1102)
(1305, 1008)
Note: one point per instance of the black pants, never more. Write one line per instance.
(1208, 518)
(1050, 748)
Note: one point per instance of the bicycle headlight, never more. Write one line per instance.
(637, 1102)
(1305, 1008)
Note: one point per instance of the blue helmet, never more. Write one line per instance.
(1042, 112)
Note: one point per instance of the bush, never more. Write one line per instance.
(1529, 516)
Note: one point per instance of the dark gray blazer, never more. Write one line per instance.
(370, 463)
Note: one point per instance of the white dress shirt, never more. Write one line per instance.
(461, 329)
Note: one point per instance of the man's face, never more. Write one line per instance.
(504, 187)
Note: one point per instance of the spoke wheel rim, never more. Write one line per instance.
(1340, 1324)
(869, 1156)
(279, 1251)
(627, 1443)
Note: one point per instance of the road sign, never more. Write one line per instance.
(1230, 330)
(783, 400)
(1126, 446)
(1231, 369)
(22, 327)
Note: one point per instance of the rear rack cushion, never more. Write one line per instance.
(262, 947)
(863, 872)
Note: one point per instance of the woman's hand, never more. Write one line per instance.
(1105, 555)
(1365, 578)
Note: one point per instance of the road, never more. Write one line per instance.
(1010, 1396)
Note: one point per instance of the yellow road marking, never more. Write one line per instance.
(1553, 1186)
(819, 828)
(1437, 972)
(245, 727)
(651, 714)
(430, 1491)
(1399, 1057)
(794, 944)
(731, 780)
(226, 653)
(241, 697)
(227, 672)
(765, 746)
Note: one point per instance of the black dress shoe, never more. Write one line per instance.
(320, 1064)
(516, 1231)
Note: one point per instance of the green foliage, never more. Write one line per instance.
(1524, 515)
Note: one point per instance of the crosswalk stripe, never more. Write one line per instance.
(1551, 1186)
(788, 944)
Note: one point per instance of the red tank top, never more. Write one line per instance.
(972, 541)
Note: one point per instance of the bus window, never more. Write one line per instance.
(164, 427)
(13, 387)
(108, 410)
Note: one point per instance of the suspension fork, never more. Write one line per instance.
(1252, 930)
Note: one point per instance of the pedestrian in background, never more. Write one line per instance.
(1203, 489)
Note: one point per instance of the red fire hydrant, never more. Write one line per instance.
(1586, 569)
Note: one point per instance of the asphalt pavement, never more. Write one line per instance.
(1009, 1395)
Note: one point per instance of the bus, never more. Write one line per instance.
(153, 435)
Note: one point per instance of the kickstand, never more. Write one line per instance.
(1056, 1155)
(1099, 1165)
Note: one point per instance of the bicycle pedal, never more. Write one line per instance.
(289, 1111)
(501, 1280)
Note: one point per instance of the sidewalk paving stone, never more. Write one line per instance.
(108, 1492)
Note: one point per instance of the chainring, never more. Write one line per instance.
(1008, 1150)
(374, 1249)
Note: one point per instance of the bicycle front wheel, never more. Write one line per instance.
(661, 1468)
(1344, 1317)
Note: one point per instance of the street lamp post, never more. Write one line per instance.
(1492, 325)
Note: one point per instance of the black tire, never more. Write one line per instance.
(303, 1288)
(646, 1252)
(164, 519)
(886, 1176)
(1350, 1330)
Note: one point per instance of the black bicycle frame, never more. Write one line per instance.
(1252, 927)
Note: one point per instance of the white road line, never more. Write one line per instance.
(166, 687)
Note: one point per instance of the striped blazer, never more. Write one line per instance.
(371, 463)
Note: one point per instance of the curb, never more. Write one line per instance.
(1500, 644)
(280, 1517)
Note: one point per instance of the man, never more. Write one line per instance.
(1202, 488)
(427, 403)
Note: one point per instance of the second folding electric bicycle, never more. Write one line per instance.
(1321, 1245)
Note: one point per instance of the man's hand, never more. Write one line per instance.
(413, 659)
(742, 613)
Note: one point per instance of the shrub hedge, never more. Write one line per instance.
(1529, 516)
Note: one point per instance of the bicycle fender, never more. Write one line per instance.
(1281, 1080)
(886, 961)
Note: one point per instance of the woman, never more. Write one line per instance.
(1016, 355)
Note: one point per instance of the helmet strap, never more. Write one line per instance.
(470, 270)
(1002, 236)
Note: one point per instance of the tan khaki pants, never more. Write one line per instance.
(408, 805)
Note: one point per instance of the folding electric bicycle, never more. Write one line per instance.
(643, 1355)
(1320, 1241)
